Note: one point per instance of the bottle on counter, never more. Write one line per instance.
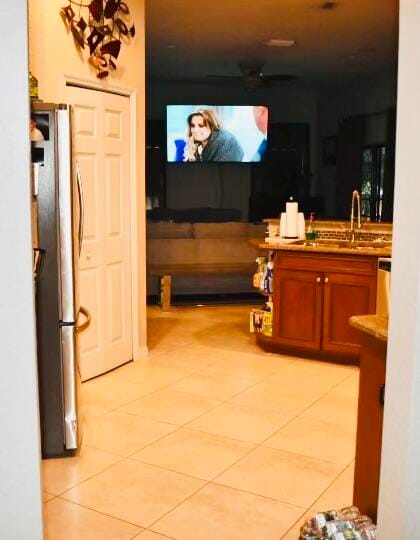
(310, 232)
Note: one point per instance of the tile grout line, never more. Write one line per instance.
(206, 483)
(222, 402)
(317, 499)
(212, 481)
(96, 473)
(143, 395)
(186, 426)
(104, 514)
(261, 445)
(161, 534)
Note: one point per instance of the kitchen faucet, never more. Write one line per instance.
(355, 195)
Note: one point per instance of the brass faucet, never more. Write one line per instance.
(355, 195)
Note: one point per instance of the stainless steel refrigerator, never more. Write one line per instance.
(58, 220)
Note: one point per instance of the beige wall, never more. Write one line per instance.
(399, 497)
(53, 55)
(20, 492)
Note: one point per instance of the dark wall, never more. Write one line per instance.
(221, 185)
(259, 191)
(367, 102)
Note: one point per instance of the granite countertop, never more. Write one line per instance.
(320, 224)
(376, 249)
(371, 324)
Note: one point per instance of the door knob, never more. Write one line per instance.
(326, 280)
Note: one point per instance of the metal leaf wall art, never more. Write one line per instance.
(102, 26)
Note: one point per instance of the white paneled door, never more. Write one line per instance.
(101, 146)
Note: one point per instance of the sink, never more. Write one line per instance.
(372, 245)
(380, 244)
(324, 243)
(332, 243)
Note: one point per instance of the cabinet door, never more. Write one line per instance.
(345, 295)
(369, 425)
(298, 308)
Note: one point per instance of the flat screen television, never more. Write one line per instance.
(216, 133)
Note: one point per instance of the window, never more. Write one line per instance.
(373, 170)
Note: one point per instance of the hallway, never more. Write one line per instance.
(208, 438)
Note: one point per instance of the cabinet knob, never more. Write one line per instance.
(318, 280)
(326, 280)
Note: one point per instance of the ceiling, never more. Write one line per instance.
(336, 41)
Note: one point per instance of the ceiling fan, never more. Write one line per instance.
(252, 76)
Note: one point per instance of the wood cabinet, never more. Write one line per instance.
(297, 316)
(369, 424)
(345, 295)
(314, 297)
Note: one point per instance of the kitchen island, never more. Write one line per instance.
(373, 335)
(318, 286)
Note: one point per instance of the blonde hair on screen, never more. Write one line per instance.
(210, 120)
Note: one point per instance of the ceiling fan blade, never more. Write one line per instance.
(225, 77)
(280, 77)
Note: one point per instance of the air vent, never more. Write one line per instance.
(329, 6)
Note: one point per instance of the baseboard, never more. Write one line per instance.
(140, 353)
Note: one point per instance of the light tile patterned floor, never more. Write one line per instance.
(208, 438)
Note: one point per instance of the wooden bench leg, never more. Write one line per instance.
(165, 293)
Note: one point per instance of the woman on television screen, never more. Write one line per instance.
(208, 141)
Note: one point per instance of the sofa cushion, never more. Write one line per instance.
(201, 251)
(193, 215)
(256, 230)
(167, 230)
(219, 230)
(228, 230)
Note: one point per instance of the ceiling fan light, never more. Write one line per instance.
(280, 42)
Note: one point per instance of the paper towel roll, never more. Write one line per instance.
(301, 226)
(291, 219)
(282, 224)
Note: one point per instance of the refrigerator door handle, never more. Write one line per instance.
(81, 206)
(38, 261)
(81, 327)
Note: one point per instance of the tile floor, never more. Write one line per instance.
(208, 438)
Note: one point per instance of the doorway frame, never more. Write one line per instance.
(131, 94)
